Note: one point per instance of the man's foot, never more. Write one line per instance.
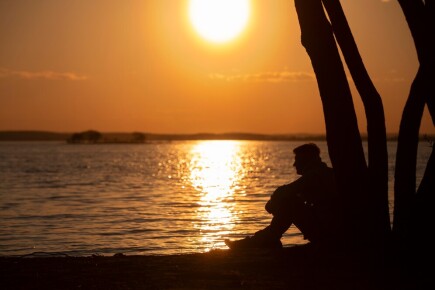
(245, 243)
(253, 243)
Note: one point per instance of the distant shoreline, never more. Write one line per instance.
(124, 136)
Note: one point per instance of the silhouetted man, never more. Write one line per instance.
(308, 203)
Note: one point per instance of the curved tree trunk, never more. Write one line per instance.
(379, 218)
(423, 212)
(364, 189)
(411, 218)
(406, 159)
(344, 141)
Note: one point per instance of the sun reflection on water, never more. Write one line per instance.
(215, 172)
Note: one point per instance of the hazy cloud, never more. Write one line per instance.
(394, 79)
(265, 77)
(41, 75)
(393, 76)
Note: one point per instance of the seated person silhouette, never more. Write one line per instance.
(308, 203)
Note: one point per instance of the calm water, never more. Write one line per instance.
(166, 198)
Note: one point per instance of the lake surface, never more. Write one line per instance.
(158, 198)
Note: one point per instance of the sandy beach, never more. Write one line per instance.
(300, 267)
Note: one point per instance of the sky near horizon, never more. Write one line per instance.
(137, 65)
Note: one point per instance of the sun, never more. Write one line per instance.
(219, 21)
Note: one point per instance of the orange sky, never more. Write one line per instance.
(138, 65)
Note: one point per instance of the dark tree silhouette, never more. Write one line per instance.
(138, 137)
(411, 207)
(363, 189)
(75, 138)
(90, 136)
(376, 131)
(343, 137)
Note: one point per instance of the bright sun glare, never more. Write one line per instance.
(219, 21)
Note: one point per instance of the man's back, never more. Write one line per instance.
(316, 188)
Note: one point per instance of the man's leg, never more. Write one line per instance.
(281, 207)
(268, 238)
(278, 226)
(305, 220)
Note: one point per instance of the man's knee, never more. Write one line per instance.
(283, 205)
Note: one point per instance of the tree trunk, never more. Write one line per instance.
(406, 159)
(411, 218)
(379, 218)
(423, 213)
(343, 138)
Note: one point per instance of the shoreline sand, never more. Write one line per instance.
(300, 267)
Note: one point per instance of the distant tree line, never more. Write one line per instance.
(95, 137)
(146, 137)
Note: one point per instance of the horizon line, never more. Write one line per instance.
(184, 133)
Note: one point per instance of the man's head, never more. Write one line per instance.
(305, 156)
